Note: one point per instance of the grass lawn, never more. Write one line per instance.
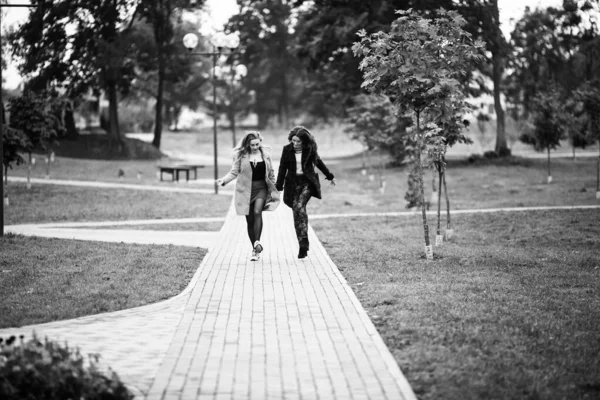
(54, 203)
(45, 280)
(514, 182)
(195, 145)
(509, 309)
(108, 170)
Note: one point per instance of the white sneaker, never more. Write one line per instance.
(255, 256)
(258, 247)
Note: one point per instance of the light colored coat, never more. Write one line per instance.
(242, 170)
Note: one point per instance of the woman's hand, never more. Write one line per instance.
(333, 182)
(220, 182)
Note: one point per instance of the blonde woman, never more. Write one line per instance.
(255, 190)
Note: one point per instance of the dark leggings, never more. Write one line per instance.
(254, 220)
(301, 198)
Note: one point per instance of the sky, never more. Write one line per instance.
(220, 11)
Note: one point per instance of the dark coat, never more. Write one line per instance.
(287, 173)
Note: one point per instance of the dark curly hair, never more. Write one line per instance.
(308, 140)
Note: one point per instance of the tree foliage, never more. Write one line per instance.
(373, 122)
(277, 79)
(14, 143)
(326, 31)
(161, 17)
(77, 45)
(553, 46)
(31, 114)
(483, 22)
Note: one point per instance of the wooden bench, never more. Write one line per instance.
(175, 169)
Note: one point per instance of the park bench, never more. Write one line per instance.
(175, 169)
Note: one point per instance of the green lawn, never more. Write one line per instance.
(56, 203)
(45, 280)
(514, 182)
(509, 309)
(108, 170)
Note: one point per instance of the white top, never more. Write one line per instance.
(299, 163)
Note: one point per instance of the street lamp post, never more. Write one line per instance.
(2, 5)
(220, 42)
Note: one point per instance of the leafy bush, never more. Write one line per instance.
(31, 369)
(372, 121)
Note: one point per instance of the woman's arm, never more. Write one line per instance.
(282, 171)
(321, 165)
(270, 171)
(233, 172)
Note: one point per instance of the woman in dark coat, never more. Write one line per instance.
(299, 180)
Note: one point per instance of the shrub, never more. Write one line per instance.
(31, 369)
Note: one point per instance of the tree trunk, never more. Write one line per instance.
(439, 197)
(549, 173)
(29, 172)
(284, 97)
(421, 184)
(598, 170)
(448, 225)
(72, 132)
(233, 131)
(497, 71)
(381, 175)
(159, 99)
(501, 146)
(113, 113)
(49, 159)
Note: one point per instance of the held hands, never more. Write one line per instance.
(219, 182)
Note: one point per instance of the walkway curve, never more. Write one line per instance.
(280, 328)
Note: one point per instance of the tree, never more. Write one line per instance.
(31, 114)
(589, 95)
(236, 100)
(372, 121)
(185, 77)
(14, 143)
(553, 46)
(326, 31)
(549, 124)
(161, 16)
(448, 118)
(277, 79)
(483, 22)
(78, 45)
(537, 56)
(419, 63)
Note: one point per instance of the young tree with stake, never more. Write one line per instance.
(420, 64)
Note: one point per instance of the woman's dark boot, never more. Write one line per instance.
(302, 253)
(303, 248)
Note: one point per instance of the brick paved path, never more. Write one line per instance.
(279, 328)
